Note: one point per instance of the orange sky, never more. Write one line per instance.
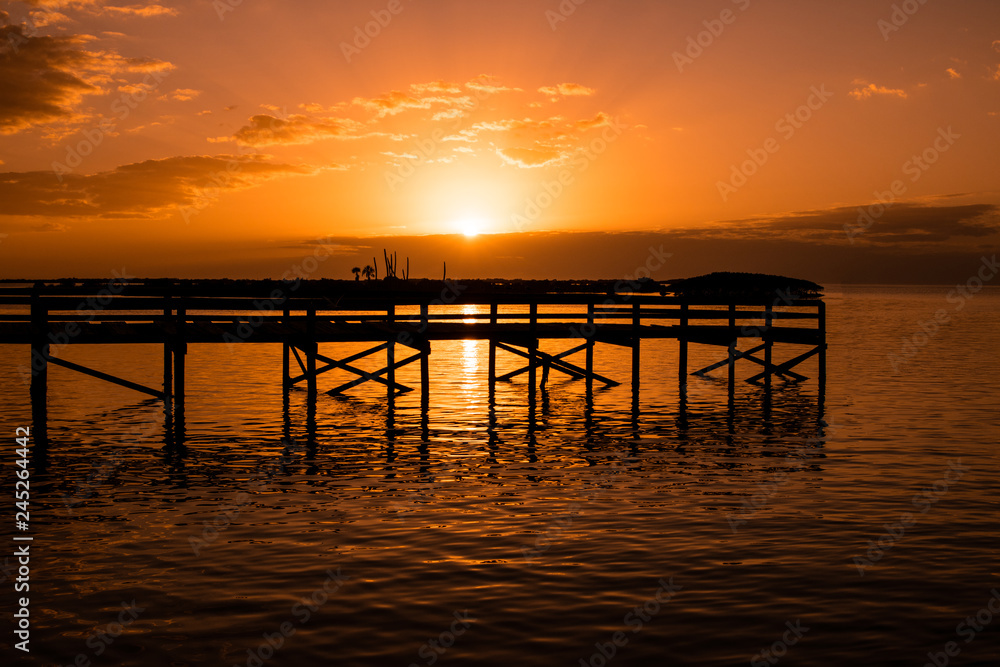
(220, 138)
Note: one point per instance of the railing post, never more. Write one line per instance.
(312, 346)
(286, 353)
(179, 352)
(732, 346)
(532, 349)
(390, 357)
(494, 310)
(821, 323)
(590, 347)
(636, 342)
(682, 353)
(425, 374)
(168, 361)
(768, 343)
(39, 360)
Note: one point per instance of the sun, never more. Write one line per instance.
(471, 226)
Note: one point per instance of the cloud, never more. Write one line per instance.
(436, 88)
(396, 102)
(513, 124)
(871, 90)
(459, 116)
(44, 78)
(567, 90)
(141, 10)
(149, 189)
(952, 73)
(900, 225)
(45, 19)
(267, 130)
(185, 94)
(449, 114)
(600, 120)
(486, 84)
(98, 8)
(530, 158)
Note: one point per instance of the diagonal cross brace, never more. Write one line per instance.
(375, 376)
(106, 377)
(726, 362)
(782, 368)
(561, 355)
(783, 373)
(748, 355)
(555, 362)
(333, 363)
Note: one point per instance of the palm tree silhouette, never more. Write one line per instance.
(368, 272)
(357, 272)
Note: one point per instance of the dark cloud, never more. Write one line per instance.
(899, 223)
(143, 190)
(265, 130)
(44, 78)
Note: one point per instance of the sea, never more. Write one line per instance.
(856, 523)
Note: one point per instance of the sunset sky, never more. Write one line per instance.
(516, 139)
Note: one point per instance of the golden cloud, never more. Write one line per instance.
(872, 90)
(567, 90)
(530, 158)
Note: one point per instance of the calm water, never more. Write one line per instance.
(511, 536)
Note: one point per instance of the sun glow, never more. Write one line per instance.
(471, 226)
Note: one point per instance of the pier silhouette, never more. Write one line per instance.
(409, 317)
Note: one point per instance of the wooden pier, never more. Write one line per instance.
(403, 319)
